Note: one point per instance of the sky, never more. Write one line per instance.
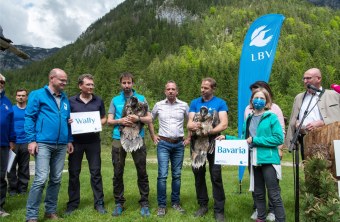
(50, 23)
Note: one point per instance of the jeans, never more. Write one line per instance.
(265, 178)
(217, 185)
(18, 179)
(49, 164)
(4, 151)
(92, 152)
(118, 162)
(175, 153)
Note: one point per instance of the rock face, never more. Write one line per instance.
(10, 61)
(335, 4)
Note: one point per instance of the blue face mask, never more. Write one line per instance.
(259, 104)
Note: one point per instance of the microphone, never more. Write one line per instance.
(336, 88)
(310, 86)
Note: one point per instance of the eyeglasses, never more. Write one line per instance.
(2, 82)
(306, 78)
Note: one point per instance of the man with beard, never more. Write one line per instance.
(119, 154)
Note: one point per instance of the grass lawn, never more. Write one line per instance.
(238, 207)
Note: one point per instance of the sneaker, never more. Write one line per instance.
(161, 212)
(270, 217)
(100, 208)
(68, 211)
(118, 210)
(201, 212)
(178, 208)
(254, 215)
(219, 217)
(51, 216)
(145, 212)
(12, 193)
(3, 213)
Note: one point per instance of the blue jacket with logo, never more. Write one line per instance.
(44, 121)
(7, 133)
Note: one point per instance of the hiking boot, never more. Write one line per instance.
(161, 212)
(178, 208)
(100, 208)
(145, 212)
(254, 215)
(219, 217)
(201, 212)
(270, 217)
(118, 210)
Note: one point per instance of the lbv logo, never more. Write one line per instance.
(259, 39)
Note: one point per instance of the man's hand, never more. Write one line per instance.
(33, 148)
(125, 121)
(12, 146)
(70, 148)
(220, 137)
(156, 139)
(194, 126)
(186, 141)
(314, 125)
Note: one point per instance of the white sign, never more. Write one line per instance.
(337, 156)
(86, 122)
(11, 157)
(231, 152)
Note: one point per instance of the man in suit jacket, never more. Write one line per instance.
(324, 109)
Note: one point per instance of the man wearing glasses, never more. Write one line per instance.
(88, 143)
(49, 136)
(324, 112)
(7, 139)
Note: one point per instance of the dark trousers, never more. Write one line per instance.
(18, 179)
(217, 185)
(4, 150)
(92, 152)
(118, 162)
(265, 179)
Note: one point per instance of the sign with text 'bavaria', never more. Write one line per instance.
(231, 152)
(86, 122)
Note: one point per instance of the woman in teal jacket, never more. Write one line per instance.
(264, 134)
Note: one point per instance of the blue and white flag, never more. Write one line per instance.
(257, 58)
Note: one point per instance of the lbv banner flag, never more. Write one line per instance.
(257, 58)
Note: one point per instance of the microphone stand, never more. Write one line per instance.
(294, 146)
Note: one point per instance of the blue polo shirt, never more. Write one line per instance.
(95, 104)
(215, 104)
(19, 122)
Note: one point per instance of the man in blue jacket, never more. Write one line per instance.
(7, 138)
(49, 136)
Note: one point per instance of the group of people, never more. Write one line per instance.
(42, 128)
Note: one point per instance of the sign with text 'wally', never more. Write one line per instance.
(231, 152)
(86, 122)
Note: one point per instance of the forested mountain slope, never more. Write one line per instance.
(186, 40)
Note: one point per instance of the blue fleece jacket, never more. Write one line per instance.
(44, 121)
(6, 121)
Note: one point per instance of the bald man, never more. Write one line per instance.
(325, 112)
(49, 137)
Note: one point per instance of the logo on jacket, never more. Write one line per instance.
(6, 107)
(258, 37)
(65, 106)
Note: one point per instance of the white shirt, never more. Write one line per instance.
(315, 114)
